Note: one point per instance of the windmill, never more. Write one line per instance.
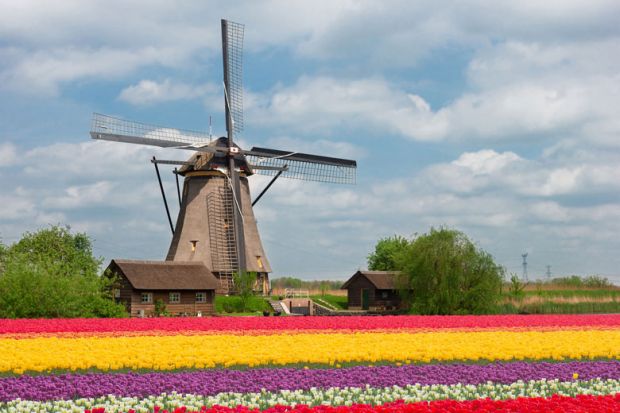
(216, 222)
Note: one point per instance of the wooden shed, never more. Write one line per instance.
(185, 288)
(372, 290)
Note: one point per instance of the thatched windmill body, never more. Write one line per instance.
(216, 223)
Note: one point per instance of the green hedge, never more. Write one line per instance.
(232, 304)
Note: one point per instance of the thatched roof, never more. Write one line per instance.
(165, 275)
(382, 280)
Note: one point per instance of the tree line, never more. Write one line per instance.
(297, 283)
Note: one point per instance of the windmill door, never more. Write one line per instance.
(365, 298)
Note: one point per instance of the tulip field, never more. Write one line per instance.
(555, 363)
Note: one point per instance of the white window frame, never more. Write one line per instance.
(204, 297)
(149, 298)
(175, 294)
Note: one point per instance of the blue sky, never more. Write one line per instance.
(499, 119)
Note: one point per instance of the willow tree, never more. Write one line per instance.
(443, 272)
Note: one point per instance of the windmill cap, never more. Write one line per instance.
(206, 161)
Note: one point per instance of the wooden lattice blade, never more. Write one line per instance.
(119, 130)
(303, 166)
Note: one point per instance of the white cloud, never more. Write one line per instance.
(529, 88)
(524, 111)
(14, 207)
(50, 218)
(80, 196)
(518, 61)
(43, 72)
(8, 154)
(140, 224)
(336, 149)
(487, 170)
(325, 103)
(486, 161)
(404, 32)
(93, 159)
(549, 211)
(148, 92)
(559, 181)
(513, 111)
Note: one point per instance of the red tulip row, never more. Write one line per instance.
(564, 404)
(278, 324)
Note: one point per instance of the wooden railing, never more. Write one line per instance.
(296, 293)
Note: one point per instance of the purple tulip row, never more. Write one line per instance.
(209, 382)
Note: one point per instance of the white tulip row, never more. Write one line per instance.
(332, 396)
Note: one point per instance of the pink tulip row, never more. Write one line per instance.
(264, 325)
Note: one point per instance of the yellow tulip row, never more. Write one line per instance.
(207, 351)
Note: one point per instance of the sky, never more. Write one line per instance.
(499, 119)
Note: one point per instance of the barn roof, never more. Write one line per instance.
(166, 275)
(382, 280)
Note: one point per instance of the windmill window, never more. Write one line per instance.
(146, 298)
(259, 261)
(174, 298)
(201, 297)
(194, 243)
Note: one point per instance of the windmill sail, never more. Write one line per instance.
(302, 166)
(232, 54)
(109, 128)
(232, 49)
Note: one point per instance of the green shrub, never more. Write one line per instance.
(516, 288)
(160, 308)
(232, 304)
(228, 307)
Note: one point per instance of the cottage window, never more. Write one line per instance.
(384, 294)
(117, 292)
(147, 298)
(201, 297)
(174, 298)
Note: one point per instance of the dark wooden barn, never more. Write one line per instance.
(372, 290)
(185, 288)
